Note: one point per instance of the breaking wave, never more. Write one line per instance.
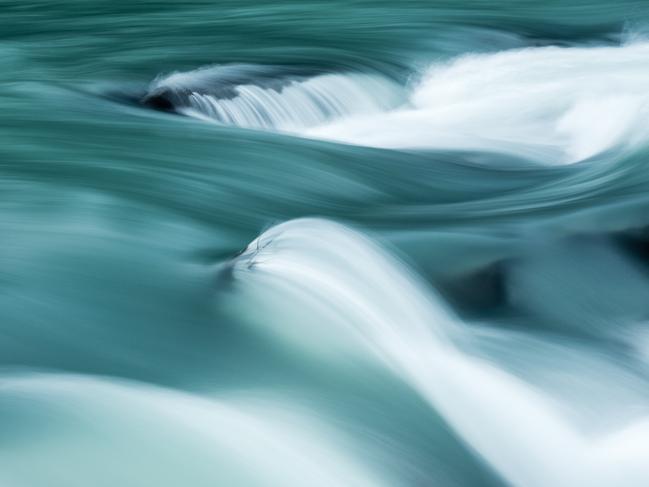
(363, 302)
(250, 97)
(549, 104)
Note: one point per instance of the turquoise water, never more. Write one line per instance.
(324, 243)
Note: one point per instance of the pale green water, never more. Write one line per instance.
(476, 315)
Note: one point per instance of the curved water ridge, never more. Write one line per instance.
(266, 98)
(552, 104)
(364, 303)
(549, 104)
(229, 440)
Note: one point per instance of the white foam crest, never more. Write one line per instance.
(190, 439)
(351, 274)
(299, 104)
(553, 104)
(350, 288)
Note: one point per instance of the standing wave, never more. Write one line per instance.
(272, 98)
(362, 303)
(554, 105)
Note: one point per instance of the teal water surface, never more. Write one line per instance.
(414, 254)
